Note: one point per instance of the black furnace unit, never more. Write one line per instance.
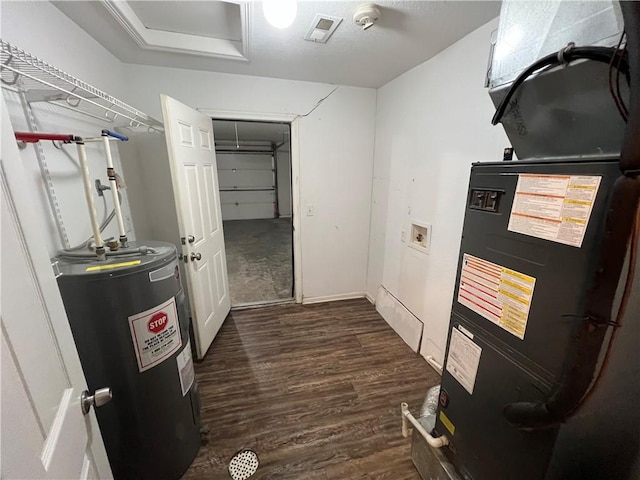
(517, 305)
(532, 246)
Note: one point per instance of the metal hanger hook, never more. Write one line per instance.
(16, 75)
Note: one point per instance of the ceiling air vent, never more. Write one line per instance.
(322, 28)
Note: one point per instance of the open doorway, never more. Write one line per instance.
(254, 177)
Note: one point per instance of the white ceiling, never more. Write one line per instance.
(408, 33)
(225, 131)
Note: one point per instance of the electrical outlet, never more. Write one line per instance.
(310, 211)
(403, 236)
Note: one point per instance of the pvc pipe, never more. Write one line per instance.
(434, 442)
(103, 225)
(114, 189)
(432, 361)
(406, 431)
(95, 226)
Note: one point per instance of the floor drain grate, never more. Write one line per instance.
(243, 464)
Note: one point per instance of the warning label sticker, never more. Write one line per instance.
(113, 265)
(447, 423)
(185, 368)
(463, 360)
(499, 294)
(553, 207)
(155, 334)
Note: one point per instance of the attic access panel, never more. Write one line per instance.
(210, 29)
(206, 19)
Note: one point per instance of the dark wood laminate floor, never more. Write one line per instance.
(315, 390)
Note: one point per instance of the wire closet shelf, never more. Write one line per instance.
(43, 82)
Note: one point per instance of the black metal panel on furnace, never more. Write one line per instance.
(512, 369)
(151, 430)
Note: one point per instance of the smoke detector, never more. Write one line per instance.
(366, 15)
(322, 28)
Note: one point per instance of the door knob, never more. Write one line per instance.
(195, 256)
(191, 239)
(98, 399)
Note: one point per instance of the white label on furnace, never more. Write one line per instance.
(553, 207)
(463, 359)
(155, 334)
(185, 368)
(499, 294)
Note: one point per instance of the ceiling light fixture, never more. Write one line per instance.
(280, 13)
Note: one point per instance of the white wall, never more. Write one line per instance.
(40, 29)
(431, 124)
(146, 166)
(335, 153)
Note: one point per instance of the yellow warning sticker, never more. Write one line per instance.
(447, 423)
(497, 293)
(554, 207)
(113, 265)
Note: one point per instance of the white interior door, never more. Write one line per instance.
(44, 432)
(194, 175)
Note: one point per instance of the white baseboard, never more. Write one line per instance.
(333, 298)
(370, 298)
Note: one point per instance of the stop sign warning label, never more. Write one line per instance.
(158, 322)
(155, 334)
